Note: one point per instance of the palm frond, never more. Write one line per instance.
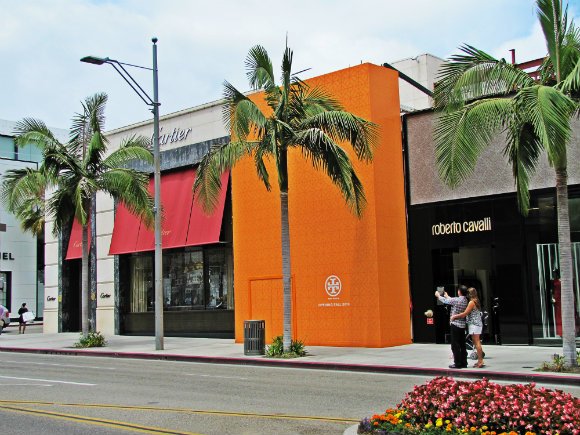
(554, 26)
(133, 148)
(259, 154)
(219, 159)
(475, 74)
(20, 184)
(259, 68)
(523, 151)
(344, 126)
(570, 62)
(317, 100)
(131, 188)
(241, 115)
(461, 135)
(86, 123)
(60, 209)
(23, 195)
(96, 150)
(329, 157)
(548, 111)
(34, 132)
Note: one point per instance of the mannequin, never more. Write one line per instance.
(557, 301)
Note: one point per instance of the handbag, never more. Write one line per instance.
(28, 316)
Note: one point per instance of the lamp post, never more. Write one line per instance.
(154, 103)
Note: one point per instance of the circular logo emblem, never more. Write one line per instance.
(333, 286)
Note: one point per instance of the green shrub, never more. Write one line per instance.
(93, 339)
(276, 349)
(558, 364)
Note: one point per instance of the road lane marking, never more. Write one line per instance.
(57, 365)
(84, 384)
(217, 376)
(96, 421)
(184, 411)
(25, 385)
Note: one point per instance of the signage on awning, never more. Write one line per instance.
(75, 242)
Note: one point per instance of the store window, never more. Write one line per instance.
(194, 279)
(142, 296)
(183, 280)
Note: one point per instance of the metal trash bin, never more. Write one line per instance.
(254, 337)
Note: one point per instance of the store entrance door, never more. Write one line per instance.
(471, 266)
(547, 322)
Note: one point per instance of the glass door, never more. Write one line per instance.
(547, 324)
(5, 285)
(471, 266)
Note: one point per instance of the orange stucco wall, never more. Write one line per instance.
(368, 255)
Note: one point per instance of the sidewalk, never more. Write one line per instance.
(509, 363)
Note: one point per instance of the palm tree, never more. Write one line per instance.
(74, 172)
(297, 117)
(479, 96)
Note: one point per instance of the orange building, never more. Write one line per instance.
(349, 276)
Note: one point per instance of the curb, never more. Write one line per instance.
(269, 362)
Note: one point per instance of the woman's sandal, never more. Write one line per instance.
(480, 365)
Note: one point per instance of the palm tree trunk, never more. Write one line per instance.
(567, 295)
(85, 282)
(287, 338)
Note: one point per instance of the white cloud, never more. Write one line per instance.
(203, 43)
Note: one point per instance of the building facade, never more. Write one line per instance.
(475, 235)
(350, 278)
(367, 282)
(21, 254)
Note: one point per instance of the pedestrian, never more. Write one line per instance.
(21, 322)
(458, 305)
(473, 318)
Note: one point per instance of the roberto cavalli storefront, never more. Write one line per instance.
(511, 260)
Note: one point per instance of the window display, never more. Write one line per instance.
(193, 279)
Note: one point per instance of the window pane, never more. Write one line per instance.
(141, 297)
(183, 280)
(220, 296)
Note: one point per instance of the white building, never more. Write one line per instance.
(21, 254)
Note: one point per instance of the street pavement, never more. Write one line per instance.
(506, 363)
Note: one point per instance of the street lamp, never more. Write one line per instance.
(154, 103)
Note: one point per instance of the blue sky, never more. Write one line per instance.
(201, 43)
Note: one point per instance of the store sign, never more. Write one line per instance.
(177, 135)
(6, 256)
(333, 288)
(476, 226)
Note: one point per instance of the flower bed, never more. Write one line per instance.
(445, 405)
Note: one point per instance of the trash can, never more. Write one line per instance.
(254, 337)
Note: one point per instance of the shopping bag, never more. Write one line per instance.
(28, 316)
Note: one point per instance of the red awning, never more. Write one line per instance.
(75, 243)
(176, 199)
(125, 232)
(204, 229)
(183, 223)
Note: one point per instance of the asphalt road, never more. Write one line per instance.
(52, 394)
